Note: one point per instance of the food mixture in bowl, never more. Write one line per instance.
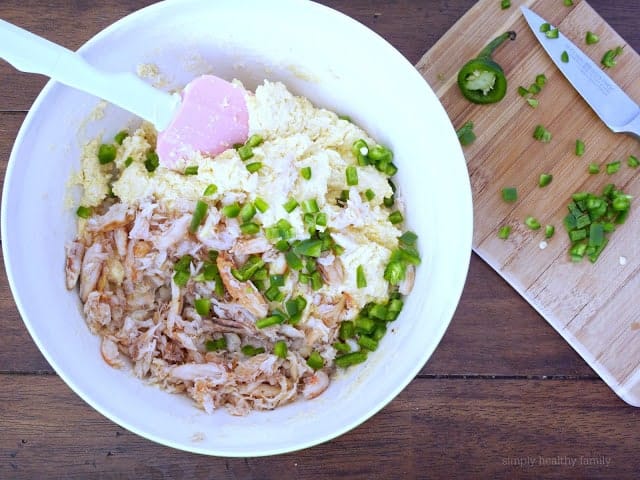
(243, 280)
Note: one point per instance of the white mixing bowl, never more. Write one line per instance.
(317, 52)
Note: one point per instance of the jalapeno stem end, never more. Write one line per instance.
(487, 51)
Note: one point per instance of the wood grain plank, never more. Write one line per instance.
(18, 352)
(458, 428)
(582, 302)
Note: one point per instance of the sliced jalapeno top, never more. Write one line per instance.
(482, 80)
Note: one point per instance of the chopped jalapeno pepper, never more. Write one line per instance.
(482, 80)
(466, 134)
(609, 60)
(591, 218)
(544, 180)
(532, 223)
(591, 38)
(83, 212)
(509, 194)
(552, 33)
(504, 232)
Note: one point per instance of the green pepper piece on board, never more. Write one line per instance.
(482, 80)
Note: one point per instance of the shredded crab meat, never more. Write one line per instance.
(74, 253)
(244, 293)
(250, 246)
(407, 283)
(149, 324)
(110, 353)
(124, 265)
(91, 269)
(315, 384)
(331, 269)
(117, 216)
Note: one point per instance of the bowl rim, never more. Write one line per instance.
(464, 198)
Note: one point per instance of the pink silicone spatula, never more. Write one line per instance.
(208, 117)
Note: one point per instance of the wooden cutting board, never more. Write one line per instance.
(595, 307)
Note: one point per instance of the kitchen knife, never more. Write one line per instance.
(608, 100)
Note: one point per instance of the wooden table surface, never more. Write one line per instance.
(502, 397)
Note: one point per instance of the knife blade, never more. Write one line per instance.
(614, 107)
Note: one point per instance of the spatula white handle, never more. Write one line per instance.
(30, 53)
